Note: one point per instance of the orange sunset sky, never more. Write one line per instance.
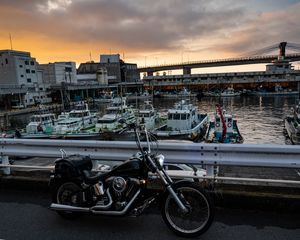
(147, 32)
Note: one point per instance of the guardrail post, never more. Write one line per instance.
(210, 170)
(4, 160)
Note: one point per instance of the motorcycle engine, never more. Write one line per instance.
(119, 185)
(122, 190)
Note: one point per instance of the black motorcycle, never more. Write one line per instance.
(186, 207)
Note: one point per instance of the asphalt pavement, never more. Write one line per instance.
(25, 215)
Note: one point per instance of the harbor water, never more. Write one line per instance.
(260, 118)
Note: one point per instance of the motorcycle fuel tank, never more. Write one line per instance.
(131, 168)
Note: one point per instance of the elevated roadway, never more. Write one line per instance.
(187, 66)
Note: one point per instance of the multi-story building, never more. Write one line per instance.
(117, 70)
(58, 72)
(19, 69)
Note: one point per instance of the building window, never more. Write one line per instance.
(27, 70)
(26, 62)
(32, 63)
(41, 89)
(20, 66)
(29, 80)
(22, 75)
(32, 71)
(6, 60)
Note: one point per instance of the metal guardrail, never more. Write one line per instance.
(277, 156)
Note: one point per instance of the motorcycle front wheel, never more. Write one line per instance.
(200, 210)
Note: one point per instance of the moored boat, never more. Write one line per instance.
(184, 93)
(148, 116)
(223, 129)
(77, 120)
(184, 122)
(292, 125)
(111, 123)
(41, 125)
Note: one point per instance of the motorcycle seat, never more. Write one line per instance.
(93, 178)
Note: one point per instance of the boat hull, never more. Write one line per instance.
(213, 137)
(292, 132)
(194, 134)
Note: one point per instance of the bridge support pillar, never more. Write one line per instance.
(186, 70)
(4, 160)
(149, 74)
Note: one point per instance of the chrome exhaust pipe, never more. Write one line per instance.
(62, 207)
(117, 213)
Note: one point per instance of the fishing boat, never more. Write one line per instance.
(184, 93)
(223, 129)
(111, 123)
(184, 122)
(105, 97)
(277, 91)
(77, 120)
(292, 124)
(229, 92)
(41, 125)
(148, 116)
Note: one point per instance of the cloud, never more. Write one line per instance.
(137, 25)
(143, 27)
(265, 29)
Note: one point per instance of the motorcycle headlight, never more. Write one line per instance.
(160, 159)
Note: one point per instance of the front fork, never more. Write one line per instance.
(168, 182)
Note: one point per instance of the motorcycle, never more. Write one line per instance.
(186, 207)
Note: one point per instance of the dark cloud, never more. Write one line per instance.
(145, 26)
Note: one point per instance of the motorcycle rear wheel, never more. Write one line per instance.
(200, 210)
(66, 194)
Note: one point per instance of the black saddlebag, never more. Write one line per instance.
(72, 166)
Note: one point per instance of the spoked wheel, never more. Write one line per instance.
(67, 194)
(200, 210)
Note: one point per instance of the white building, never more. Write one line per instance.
(18, 68)
(58, 72)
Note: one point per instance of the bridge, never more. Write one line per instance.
(253, 57)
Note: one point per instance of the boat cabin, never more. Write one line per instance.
(228, 122)
(182, 117)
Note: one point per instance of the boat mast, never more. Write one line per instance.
(224, 127)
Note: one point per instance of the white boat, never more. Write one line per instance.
(184, 93)
(279, 91)
(184, 122)
(110, 121)
(106, 97)
(223, 129)
(229, 92)
(75, 121)
(41, 125)
(292, 124)
(148, 116)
